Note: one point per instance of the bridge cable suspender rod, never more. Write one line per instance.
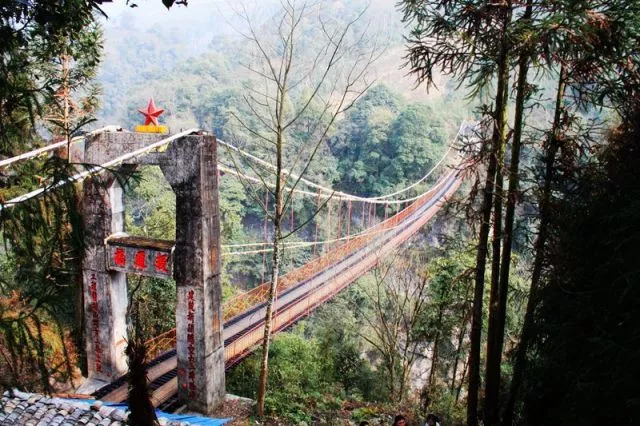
(303, 244)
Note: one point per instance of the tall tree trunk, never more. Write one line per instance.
(434, 362)
(498, 312)
(275, 270)
(434, 358)
(391, 382)
(465, 369)
(262, 390)
(463, 331)
(539, 246)
(492, 372)
(499, 131)
(139, 401)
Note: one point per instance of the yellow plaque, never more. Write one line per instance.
(151, 129)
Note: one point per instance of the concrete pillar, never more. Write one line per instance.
(105, 292)
(190, 168)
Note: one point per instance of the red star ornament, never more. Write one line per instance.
(151, 113)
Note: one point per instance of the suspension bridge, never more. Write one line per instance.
(300, 291)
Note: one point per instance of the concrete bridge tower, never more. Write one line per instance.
(190, 166)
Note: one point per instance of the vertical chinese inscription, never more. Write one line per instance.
(95, 322)
(191, 343)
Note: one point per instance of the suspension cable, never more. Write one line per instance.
(54, 146)
(345, 195)
(298, 243)
(422, 179)
(81, 176)
(95, 169)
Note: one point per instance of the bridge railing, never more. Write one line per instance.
(161, 344)
(242, 302)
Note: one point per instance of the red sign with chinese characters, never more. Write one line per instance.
(191, 343)
(95, 322)
(139, 255)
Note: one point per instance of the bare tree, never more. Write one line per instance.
(397, 297)
(302, 85)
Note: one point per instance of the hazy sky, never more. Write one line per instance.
(153, 12)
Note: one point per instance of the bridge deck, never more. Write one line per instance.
(244, 332)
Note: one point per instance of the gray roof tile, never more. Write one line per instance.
(20, 408)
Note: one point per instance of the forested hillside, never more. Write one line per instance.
(517, 304)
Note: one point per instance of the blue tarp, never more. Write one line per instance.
(194, 420)
(191, 418)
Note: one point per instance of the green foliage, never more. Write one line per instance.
(40, 290)
(142, 411)
(585, 355)
(41, 294)
(337, 327)
(364, 413)
(71, 75)
(296, 380)
(448, 293)
(151, 205)
(384, 144)
(33, 35)
(156, 304)
(447, 405)
(315, 367)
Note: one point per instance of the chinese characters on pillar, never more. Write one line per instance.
(191, 344)
(95, 322)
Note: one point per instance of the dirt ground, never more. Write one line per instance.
(240, 409)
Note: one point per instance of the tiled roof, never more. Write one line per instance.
(36, 410)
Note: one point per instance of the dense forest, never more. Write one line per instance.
(517, 304)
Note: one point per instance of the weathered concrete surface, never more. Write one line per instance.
(190, 167)
(107, 146)
(105, 293)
